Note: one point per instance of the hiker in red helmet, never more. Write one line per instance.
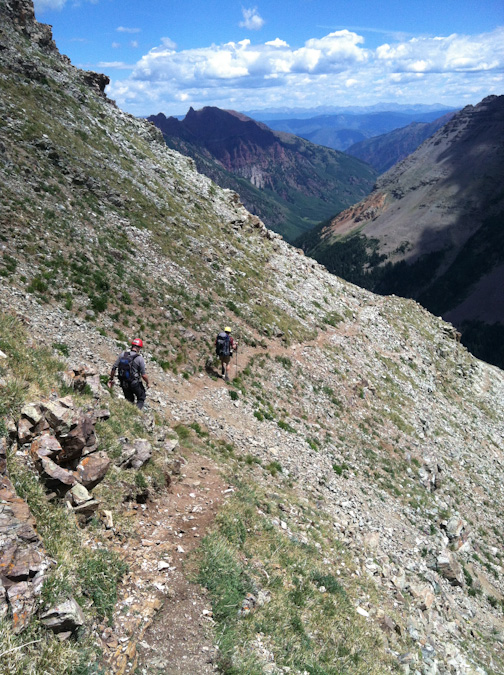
(130, 365)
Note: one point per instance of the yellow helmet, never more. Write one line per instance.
(227, 329)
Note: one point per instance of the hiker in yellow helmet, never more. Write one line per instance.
(224, 347)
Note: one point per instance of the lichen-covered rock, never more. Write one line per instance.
(45, 446)
(20, 562)
(92, 469)
(32, 412)
(59, 417)
(78, 495)
(24, 431)
(80, 437)
(22, 601)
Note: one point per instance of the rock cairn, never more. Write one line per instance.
(61, 442)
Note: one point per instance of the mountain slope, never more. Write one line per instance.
(382, 152)
(432, 228)
(288, 182)
(342, 130)
(357, 445)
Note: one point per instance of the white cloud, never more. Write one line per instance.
(455, 53)
(120, 65)
(335, 69)
(124, 29)
(133, 43)
(41, 5)
(251, 63)
(169, 44)
(276, 43)
(251, 19)
(116, 45)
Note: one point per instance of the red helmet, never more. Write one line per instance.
(137, 343)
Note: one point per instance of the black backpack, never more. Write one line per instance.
(124, 371)
(223, 345)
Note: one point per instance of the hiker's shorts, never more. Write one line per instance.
(225, 359)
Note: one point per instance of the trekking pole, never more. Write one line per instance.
(236, 352)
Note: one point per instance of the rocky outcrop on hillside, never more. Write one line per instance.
(364, 433)
(290, 183)
(23, 561)
(54, 437)
(431, 229)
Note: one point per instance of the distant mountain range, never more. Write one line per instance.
(283, 113)
(342, 130)
(290, 183)
(383, 151)
(433, 229)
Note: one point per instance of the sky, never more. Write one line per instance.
(168, 55)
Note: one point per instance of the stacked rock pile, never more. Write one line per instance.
(61, 441)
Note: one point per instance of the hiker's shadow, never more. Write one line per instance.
(211, 369)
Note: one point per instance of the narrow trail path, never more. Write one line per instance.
(162, 619)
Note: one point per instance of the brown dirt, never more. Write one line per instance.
(163, 621)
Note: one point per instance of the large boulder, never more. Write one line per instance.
(134, 454)
(59, 416)
(64, 618)
(78, 439)
(92, 469)
(45, 446)
(449, 568)
(143, 452)
(55, 476)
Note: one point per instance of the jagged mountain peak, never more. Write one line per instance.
(219, 127)
(288, 181)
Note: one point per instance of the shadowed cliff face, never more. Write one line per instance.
(289, 182)
(434, 223)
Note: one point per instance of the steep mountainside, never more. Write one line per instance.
(289, 183)
(382, 152)
(337, 506)
(342, 130)
(433, 229)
